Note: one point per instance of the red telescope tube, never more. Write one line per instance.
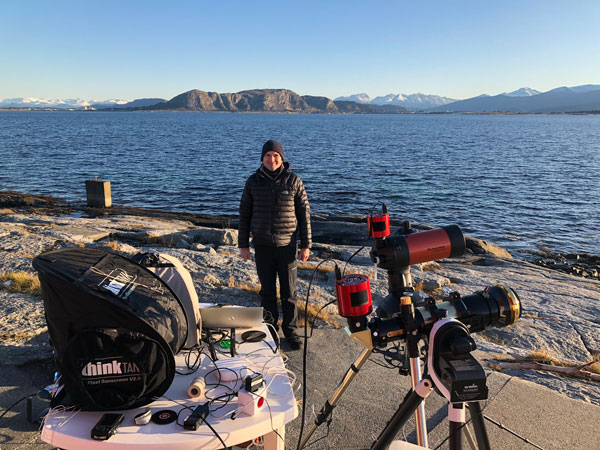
(432, 245)
(405, 250)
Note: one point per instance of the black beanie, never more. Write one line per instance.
(272, 146)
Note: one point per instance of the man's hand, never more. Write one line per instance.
(245, 252)
(304, 253)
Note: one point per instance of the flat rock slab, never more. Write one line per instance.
(85, 233)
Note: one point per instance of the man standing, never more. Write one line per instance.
(275, 209)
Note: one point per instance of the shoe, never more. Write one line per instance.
(293, 342)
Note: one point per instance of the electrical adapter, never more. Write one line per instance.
(198, 415)
(252, 383)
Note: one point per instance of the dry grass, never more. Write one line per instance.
(542, 357)
(22, 282)
(252, 288)
(532, 316)
(227, 252)
(311, 265)
(312, 312)
(113, 245)
(313, 309)
(593, 367)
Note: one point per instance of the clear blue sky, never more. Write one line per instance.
(134, 49)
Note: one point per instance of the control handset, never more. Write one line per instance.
(106, 426)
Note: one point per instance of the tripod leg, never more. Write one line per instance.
(333, 399)
(479, 426)
(456, 416)
(401, 416)
(421, 423)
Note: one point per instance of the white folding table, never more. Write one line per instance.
(71, 430)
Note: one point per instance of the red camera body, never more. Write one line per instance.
(379, 225)
(353, 295)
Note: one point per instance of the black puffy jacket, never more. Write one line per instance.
(275, 210)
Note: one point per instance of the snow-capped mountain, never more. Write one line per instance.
(413, 101)
(523, 92)
(358, 98)
(390, 99)
(71, 103)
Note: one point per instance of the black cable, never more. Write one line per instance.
(491, 420)
(271, 418)
(353, 255)
(304, 351)
(203, 420)
(312, 327)
(365, 244)
(220, 398)
(192, 366)
(215, 432)
(15, 404)
(502, 427)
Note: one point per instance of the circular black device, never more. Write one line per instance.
(164, 416)
(253, 336)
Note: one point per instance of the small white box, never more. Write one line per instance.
(251, 402)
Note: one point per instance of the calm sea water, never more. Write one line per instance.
(519, 181)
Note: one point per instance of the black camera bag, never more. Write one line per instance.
(115, 327)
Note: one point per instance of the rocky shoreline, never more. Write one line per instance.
(561, 312)
(335, 229)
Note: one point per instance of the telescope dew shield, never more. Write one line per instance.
(353, 295)
(445, 242)
(405, 250)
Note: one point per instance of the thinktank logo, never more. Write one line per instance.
(114, 367)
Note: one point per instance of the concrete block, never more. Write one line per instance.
(98, 193)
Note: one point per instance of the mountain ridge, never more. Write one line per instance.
(576, 99)
(563, 99)
(416, 101)
(263, 100)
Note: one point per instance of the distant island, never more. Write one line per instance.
(583, 99)
(264, 100)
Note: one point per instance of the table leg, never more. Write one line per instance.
(275, 440)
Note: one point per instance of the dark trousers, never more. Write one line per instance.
(272, 262)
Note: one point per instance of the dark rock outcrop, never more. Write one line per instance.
(320, 103)
(267, 100)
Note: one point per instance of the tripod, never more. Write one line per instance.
(458, 377)
(456, 416)
(452, 369)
